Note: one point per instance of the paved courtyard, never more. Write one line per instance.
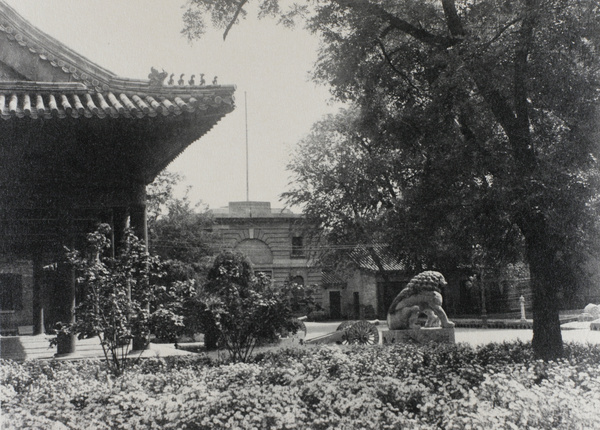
(479, 336)
(37, 347)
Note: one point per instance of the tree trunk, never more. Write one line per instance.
(211, 338)
(545, 284)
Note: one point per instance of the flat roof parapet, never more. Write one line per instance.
(250, 209)
(253, 209)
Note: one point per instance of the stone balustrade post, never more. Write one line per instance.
(522, 303)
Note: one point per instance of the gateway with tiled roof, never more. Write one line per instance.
(78, 145)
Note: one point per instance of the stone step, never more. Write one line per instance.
(21, 348)
(38, 347)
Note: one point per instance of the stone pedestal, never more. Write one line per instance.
(140, 344)
(65, 346)
(420, 335)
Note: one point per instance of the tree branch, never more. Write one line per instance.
(394, 68)
(501, 32)
(234, 18)
(452, 19)
(524, 150)
(497, 102)
(366, 7)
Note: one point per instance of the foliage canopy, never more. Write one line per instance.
(487, 113)
(177, 229)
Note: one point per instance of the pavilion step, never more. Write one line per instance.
(38, 347)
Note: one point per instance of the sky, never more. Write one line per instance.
(270, 66)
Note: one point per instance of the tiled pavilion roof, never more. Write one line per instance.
(57, 82)
(361, 257)
(50, 100)
(135, 126)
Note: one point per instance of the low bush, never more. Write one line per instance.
(497, 386)
(317, 316)
(241, 310)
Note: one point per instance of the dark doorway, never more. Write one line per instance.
(356, 306)
(335, 305)
(470, 298)
(386, 293)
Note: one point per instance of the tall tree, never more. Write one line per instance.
(178, 230)
(514, 84)
(344, 185)
(362, 188)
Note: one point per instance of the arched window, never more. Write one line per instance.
(297, 280)
(256, 250)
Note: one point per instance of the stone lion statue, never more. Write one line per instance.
(421, 295)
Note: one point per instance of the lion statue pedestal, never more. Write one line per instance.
(422, 295)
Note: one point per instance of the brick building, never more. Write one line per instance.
(275, 240)
(363, 289)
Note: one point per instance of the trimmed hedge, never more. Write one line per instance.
(497, 386)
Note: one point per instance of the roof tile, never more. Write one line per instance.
(63, 104)
(363, 258)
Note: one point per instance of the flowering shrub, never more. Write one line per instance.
(498, 386)
(243, 310)
(123, 297)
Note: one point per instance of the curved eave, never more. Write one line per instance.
(18, 29)
(138, 134)
(178, 147)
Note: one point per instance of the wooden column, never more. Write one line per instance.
(38, 295)
(120, 222)
(139, 225)
(66, 343)
(137, 209)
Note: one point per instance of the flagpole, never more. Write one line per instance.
(246, 117)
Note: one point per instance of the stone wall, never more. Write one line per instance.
(365, 284)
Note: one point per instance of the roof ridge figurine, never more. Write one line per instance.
(157, 78)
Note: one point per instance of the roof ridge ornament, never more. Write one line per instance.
(157, 78)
